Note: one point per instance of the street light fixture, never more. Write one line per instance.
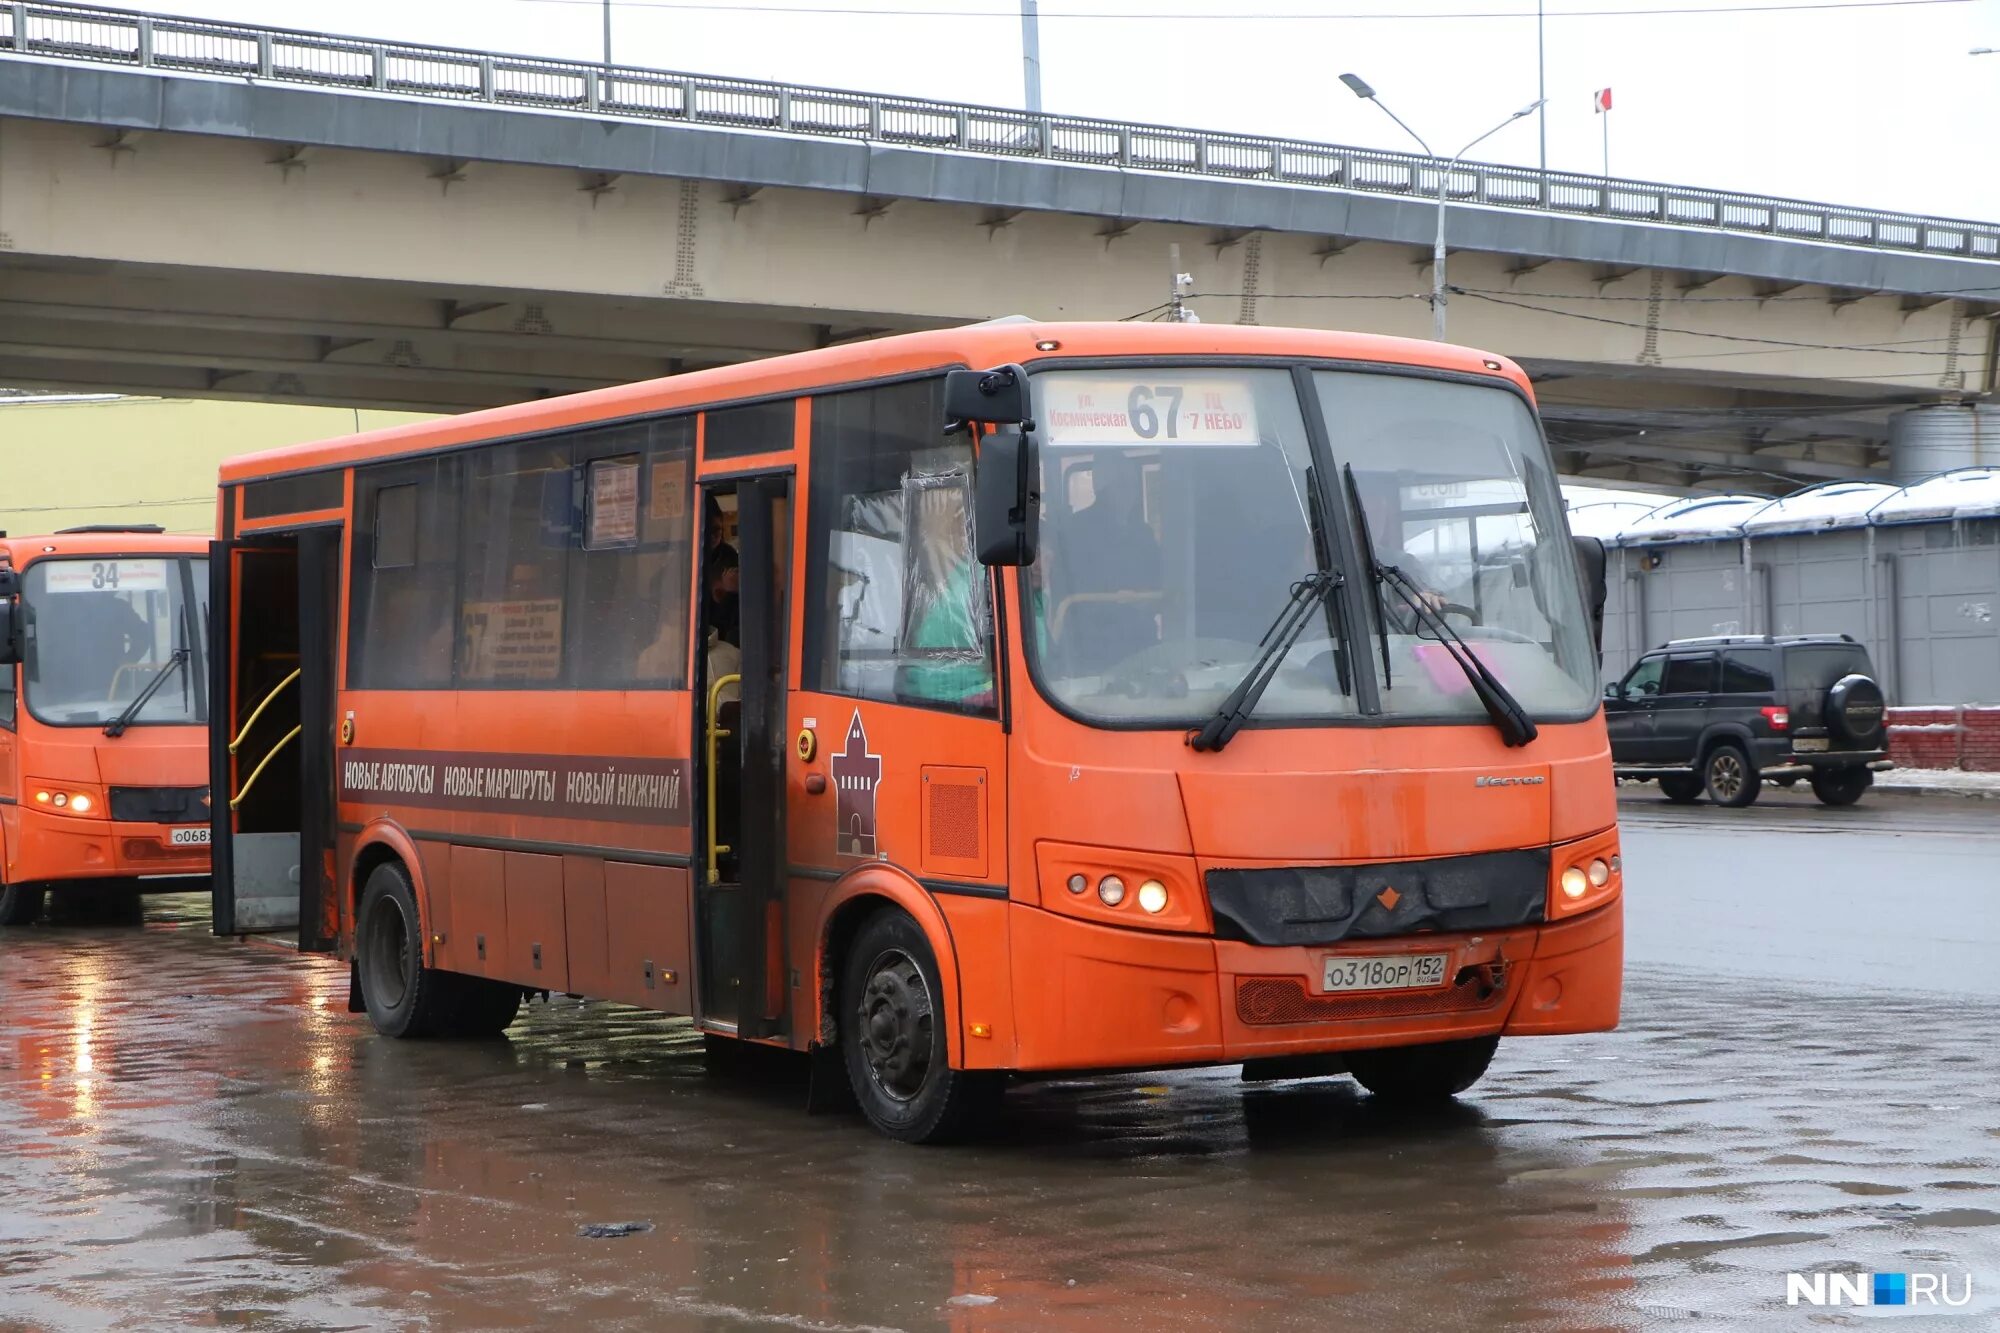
(1984, 51)
(1359, 87)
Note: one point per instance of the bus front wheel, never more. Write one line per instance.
(892, 1032)
(403, 997)
(1430, 1073)
(20, 905)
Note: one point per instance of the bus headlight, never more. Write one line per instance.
(1153, 897)
(1575, 883)
(1600, 873)
(1111, 890)
(80, 803)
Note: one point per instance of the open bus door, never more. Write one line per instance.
(276, 600)
(740, 875)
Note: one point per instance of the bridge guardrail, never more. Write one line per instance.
(122, 37)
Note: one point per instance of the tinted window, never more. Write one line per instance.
(558, 563)
(760, 428)
(405, 588)
(1746, 671)
(305, 493)
(897, 607)
(1689, 675)
(629, 579)
(520, 518)
(1644, 682)
(1817, 668)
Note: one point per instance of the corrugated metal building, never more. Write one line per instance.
(1913, 572)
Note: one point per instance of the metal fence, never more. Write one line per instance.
(121, 37)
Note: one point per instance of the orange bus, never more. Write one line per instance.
(103, 715)
(1005, 700)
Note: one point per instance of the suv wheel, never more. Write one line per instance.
(1841, 786)
(1680, 788)
(1730, 779)
(1854, 710)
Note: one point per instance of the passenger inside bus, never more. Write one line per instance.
(1107, 599)
(946, 640)
(721, 572)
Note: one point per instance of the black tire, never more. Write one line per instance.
(1431, 1073)
(1841, 786)
(1855, 709)
(1680, 788)
(1729, 777)
(20, 905)
(403, 997)
(893, 1037)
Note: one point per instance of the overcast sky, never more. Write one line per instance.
(1879, 105)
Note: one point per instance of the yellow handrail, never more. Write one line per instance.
(258, 771)
(715, 733)
(258, 712)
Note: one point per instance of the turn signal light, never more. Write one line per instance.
(1779, 718)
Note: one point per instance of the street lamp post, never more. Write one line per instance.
(1359, 87)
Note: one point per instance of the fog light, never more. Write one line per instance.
(81, 805)
(1600, 874)
(1153, 896)
(1077, 883)
(1111, 890)
(1575, 883)
(62, 798)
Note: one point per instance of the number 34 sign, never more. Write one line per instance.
(1185, 410)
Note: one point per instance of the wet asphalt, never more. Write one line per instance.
(194, 1133)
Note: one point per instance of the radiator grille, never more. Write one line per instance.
(160, 805)
(1269, 1001)
(954, 830)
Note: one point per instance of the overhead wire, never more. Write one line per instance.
(1456, 16)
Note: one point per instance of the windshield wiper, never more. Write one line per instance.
(1515, 726)
(116, 726)
(1307, 595)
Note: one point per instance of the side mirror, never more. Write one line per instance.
(1590, 564)
(1615, 690)
(1006, 509)
(996, 397)
(10, 634)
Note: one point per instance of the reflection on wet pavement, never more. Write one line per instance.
(195, 1132)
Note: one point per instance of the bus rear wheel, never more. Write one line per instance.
(403, 997)
(1416, 1074)
(892, 1033)
(20, 905)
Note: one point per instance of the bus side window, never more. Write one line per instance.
(866, 634)
(405, 576)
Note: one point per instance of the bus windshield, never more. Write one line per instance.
(100, 630)
(1182, 506)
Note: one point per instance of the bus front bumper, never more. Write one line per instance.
(1097, 997)
(52, 849)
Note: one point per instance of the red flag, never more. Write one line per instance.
(1601, 100)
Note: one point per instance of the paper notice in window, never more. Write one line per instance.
(614, 503)
(669, 497)
(1153, 410)
(513, 640)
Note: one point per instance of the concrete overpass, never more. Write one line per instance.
(195, 208)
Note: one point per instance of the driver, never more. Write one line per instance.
(1383, 509)
(1109, 550)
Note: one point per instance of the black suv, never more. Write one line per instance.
(1725, 715)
